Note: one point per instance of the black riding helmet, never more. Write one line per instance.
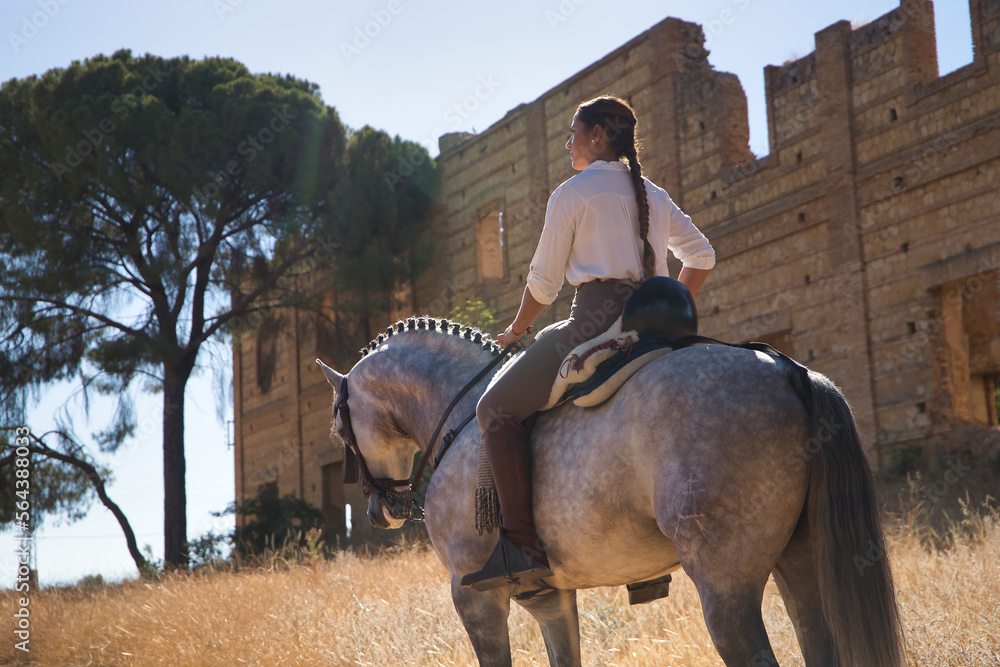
(661, 306)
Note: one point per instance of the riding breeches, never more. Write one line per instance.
(525, 385)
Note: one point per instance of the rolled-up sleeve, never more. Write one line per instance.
(548, 265)
(687, 242)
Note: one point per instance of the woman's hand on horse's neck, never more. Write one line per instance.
(529, 311)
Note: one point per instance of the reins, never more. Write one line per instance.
(401, 503)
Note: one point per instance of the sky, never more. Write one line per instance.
(413, 68)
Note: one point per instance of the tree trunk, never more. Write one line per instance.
(175, 552)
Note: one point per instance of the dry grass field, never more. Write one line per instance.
(394, 608)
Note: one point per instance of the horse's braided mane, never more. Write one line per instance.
(442, 325)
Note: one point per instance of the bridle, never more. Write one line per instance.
(354, 460)
(400, 503)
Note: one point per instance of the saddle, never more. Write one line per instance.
(658, 317)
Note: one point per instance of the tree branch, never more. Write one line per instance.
(80, 311)
(295, 256)
(42, 449)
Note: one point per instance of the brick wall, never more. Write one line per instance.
(877, 169)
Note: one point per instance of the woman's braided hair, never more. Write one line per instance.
(618, 119)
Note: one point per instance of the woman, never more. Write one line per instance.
(605, 229)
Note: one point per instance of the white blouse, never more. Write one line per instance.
(591, 232)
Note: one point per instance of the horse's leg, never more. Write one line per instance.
(729, 560)
(556, 614)
(737, 628)
(484, 615)
(798, 581)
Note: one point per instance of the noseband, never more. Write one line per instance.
(354, 463)
(400, 504)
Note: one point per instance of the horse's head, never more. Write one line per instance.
(375, 447)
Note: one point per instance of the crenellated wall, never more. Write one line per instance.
(866, 244)
(877, 169)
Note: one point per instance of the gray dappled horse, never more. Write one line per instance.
(708, 459)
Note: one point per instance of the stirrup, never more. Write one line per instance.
(506, 566)
(647, 591)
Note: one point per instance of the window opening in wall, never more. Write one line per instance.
(980, 324)
(984, 399)
(892, 115)
(490, 241)
(267, 352)
(951, 27)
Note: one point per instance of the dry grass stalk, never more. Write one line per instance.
(394, 608)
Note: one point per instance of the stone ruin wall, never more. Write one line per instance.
(866, 244)
(840, 247)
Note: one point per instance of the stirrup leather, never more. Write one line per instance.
(507, 566)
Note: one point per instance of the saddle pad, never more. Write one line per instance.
(593, 371)
(608, 381)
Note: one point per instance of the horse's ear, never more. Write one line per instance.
(332, 376)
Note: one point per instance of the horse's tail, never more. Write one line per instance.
(855, 580)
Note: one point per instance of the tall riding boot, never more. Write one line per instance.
(518, 556)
